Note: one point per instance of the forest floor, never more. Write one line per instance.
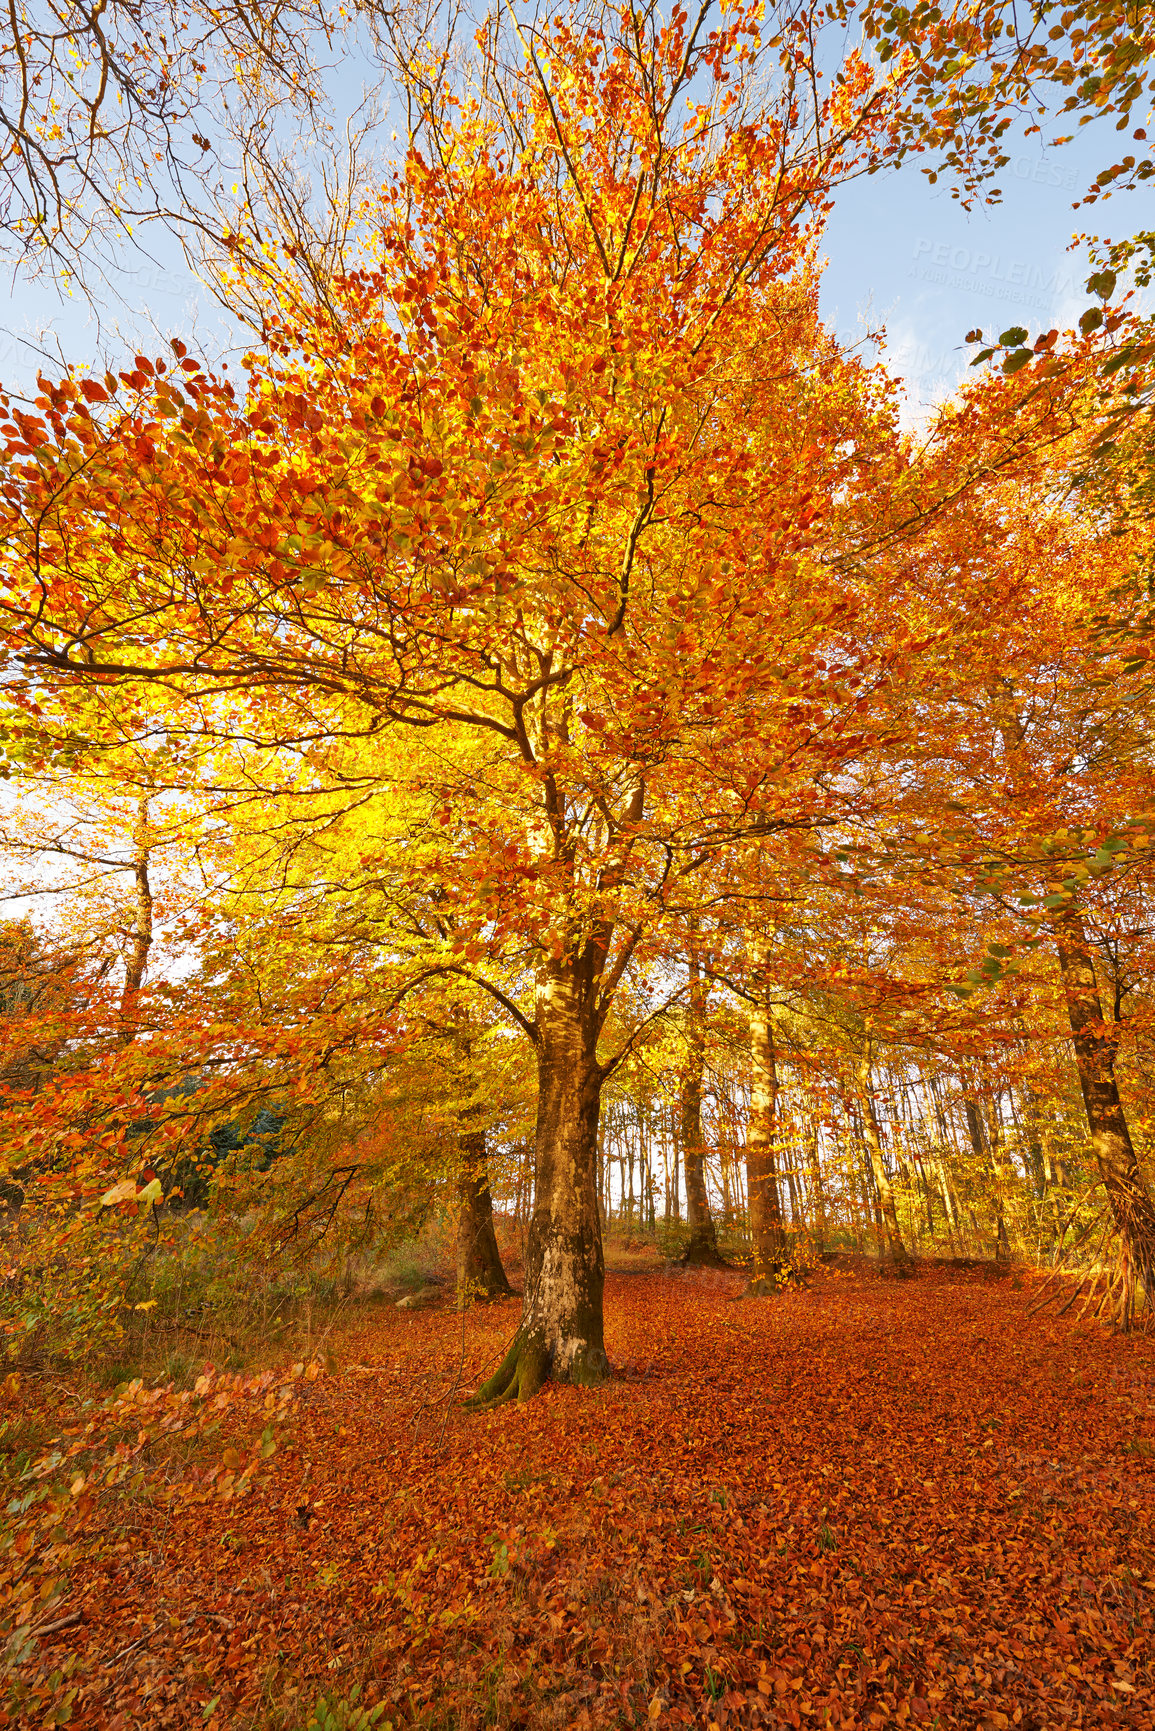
(867, 1503)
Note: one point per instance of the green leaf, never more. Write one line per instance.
(1014, 338)
(1055, 901)
(1090, 321)
(1015, 362)
(1102, 284)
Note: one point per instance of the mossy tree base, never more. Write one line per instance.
(529, 1363)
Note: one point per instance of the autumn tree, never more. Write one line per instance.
(537, 531)
(1034, 772)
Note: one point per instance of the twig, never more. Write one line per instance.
(141, 1641)
(54, 1628)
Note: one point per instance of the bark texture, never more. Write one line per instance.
(817, 1188)
(767, 1229)
(702, 1245)
(1130, 1200)
(561, 1332)
(480, 1273)
(896, 1249)
(140, 936)
(986, 1152)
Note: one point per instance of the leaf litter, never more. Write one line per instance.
(868, 1503)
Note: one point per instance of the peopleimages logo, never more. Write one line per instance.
(1033, 287)
(968, 261)
(1041, 173)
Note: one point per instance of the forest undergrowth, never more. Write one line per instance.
(871, 1502)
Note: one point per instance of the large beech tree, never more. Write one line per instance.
(565, 477)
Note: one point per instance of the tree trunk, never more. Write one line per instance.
(630, 1204)
(796, 1219)
(1002, 1242)
(986, 1155)
(727, 1193)
(677, 1179)
(1128, 1195)
(1034, 1141)
(702, 1246)
(817, 1188)
(947, 1141)
(561, 1332)
(927, 1194)
(767, 1232)
(140, 936)
(479, 1270)
(949, 1206)
(873, 1139)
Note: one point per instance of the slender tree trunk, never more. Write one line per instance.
(986, 1155)
(561, 1332)
(870, 1131)
(1002, 1243)
(1128, 1195)
(1054, 1172)
(677, 1180)
(140, 934)
(479, 1270)
(1033, 1139)
(817, 1188)
(796, 1219)
(927, 1194)
(941, 1159)
(702, 1246)
(949, 1206)
(767, 1231)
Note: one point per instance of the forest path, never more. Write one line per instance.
(869, 1503)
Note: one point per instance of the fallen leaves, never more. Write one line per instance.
(875, 1503)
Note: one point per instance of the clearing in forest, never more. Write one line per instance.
(873, 1502)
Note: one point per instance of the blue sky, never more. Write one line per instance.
(904, 254)
(901, 254)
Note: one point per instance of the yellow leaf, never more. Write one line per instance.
(231, 1459)
(125, 1191)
